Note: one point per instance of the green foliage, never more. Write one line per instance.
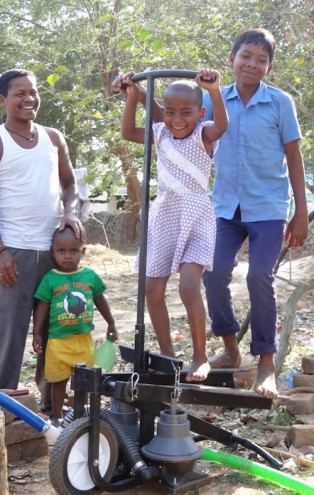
(77, 48)
(284, 418)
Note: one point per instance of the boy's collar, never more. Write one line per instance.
(260, 94)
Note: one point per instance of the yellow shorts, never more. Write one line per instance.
(63, 354)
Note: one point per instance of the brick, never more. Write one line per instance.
(19, 432)
(245, 379)
(307, 419)
(27, 450)
(14, 452)
(4, 489)
(308, 364)
(300, 404)
(300, 435)
(34, 448)
(303, 380)
(28, 401)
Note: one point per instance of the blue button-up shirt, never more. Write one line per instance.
(251, 169)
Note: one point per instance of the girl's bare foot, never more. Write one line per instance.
(167, 351)
(226, 360)
(198, 371)
(265, 380)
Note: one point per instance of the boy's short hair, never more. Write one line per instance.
(188, 86)
(7, 76)
(67, 229)
(259, 36)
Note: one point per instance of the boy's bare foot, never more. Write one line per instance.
(230, 358)
(225, 360)
(198, 371)
(265, 380)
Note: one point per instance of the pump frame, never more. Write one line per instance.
(152, 393)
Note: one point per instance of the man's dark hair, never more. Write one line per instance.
(7, 76)
(259, 37)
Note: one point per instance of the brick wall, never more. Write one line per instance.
(113, 223)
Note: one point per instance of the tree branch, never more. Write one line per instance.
(288, 322)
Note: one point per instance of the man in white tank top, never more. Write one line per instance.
(38, 193)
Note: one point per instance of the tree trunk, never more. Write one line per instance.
(132, 206)
(288, 322)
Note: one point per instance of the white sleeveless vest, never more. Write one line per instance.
(30, 195)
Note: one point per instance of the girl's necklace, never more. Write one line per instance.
(29, 139)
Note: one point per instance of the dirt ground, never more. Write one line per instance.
(117, 270)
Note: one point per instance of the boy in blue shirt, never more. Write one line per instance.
(257, 156)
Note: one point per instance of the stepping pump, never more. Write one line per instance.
(173, 447)
(121, 447)
(144, 437)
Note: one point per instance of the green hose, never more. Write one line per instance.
(255, 469)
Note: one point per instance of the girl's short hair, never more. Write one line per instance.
(187, 86)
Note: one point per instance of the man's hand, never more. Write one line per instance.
(73, 221)
(8, 269)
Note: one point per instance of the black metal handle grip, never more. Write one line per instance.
(164, 73)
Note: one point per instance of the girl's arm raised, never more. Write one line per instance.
(209, 79)
(129, 130)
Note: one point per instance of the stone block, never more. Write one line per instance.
(303, 380)
(19, 432)
(300, 435)
(28, 450)
(300, 404)
(28, 401)
(35, 448)
(307, 419)
(245, 379)
(4, 488)
(14, 452)
(308, 364)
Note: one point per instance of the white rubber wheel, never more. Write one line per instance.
(68, 466)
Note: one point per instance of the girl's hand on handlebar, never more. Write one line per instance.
(208, 79)
(119, 84)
